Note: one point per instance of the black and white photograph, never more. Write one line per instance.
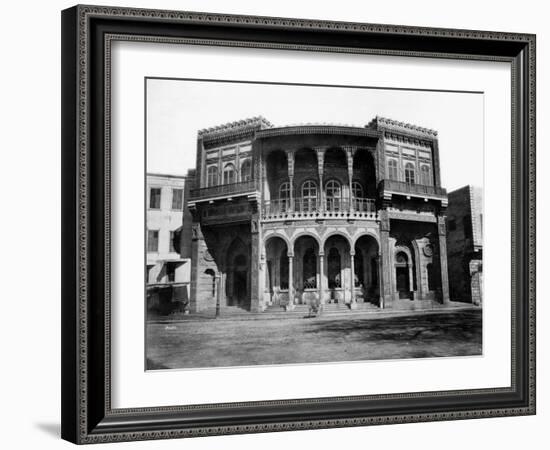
(300, 223)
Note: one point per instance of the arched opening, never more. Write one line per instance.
(305, 162)
(337, 269)
(334, 269)
(333, 193)
(238, 270)
(309, 269)
(277, 275)
(309, 196)
(212, 176)
(425, 175)
(359, 275)
(276, 171)
(409, 173)
(364, 172)
(306, 274)
(246, 170)
(393, 173)
(402, 275)
(367, 288)
(229, 173)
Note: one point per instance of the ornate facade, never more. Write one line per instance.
(340, 216)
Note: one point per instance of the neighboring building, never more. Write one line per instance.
(167, 274)
(342, 216)
(465, 244)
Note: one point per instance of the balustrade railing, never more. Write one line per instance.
(312, 207)
(222, 190)
(410, 188)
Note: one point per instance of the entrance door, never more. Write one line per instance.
(402, 281)
(239, 286)
(240, 282)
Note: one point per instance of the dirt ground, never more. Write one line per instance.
(217, 343)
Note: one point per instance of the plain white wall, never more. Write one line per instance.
(30, 143)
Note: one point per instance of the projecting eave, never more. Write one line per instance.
(316, 129)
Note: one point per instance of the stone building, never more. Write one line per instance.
(465, 244)
(342, 216)
(167, 272)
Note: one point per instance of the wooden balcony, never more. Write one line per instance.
(223, 191)
(387, 187)
(315, 209)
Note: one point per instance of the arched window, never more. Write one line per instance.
(283, 271)
(284, 195)
(334, 269)
(359, 202)
(246, 171)
(212, 176)
(409, 173)
(392, 170)
(229, 174)
(401, 259)
(309, 195)
(357, 189)
(334, 195)
(309, 269)
(425, 175)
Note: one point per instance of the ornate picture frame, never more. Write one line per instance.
(87, 35)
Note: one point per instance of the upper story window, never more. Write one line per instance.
(409, 173)
(154, 198)
(392, 169)
(177, 199)
(212, 176)
(309, 194)
(229, 174)
(357, 189)
(246, 170)
(333, 192)
(425, 175)
(153, 241)
(284, 191)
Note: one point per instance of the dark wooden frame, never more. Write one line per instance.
(87, 31)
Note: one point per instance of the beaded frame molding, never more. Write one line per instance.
(87, 34)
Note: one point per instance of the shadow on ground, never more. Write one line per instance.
(194, 344)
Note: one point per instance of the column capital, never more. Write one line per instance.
(350, 150)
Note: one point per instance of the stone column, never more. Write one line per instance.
(290, 162)
(218, 294)
(321, 168)
(442, 232)
(353, 301)
(290, 305)
(223, 290)
(385, 257)
(255, 294)
(262, 280)
(197, 245)
(350, 152)
(321, 278)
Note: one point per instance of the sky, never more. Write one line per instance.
(177, 109)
